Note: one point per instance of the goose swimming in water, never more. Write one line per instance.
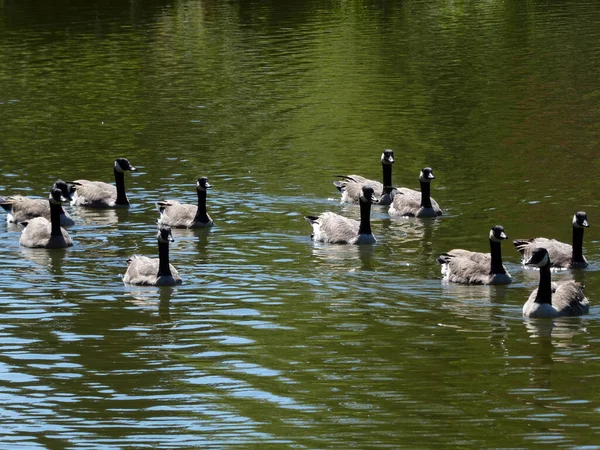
(180, 215)
(335, 229)
(22, 209)
(411, 203)
(562, 255)
(351, 185)
(40, 232)
(467, 267)
(98, 194)
(550, 299)
(143, 270)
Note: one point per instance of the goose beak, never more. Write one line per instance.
(207, 185)
(585, 224)
(431, 177)
(503, 235)
(133, 169)
(391, 160)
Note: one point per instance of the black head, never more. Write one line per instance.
(497, 234)
(426, 175)
(202, 184)
(580, 220)
(165, 235)
(368, 195)
(539, 257)
(387, 157)
(66, 187)
(56, 196)
(122, 164)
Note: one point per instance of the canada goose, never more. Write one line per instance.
(562, 256)
(466, 267)
(22, 209)
(97, 194)
(553, 299)
(154, 271)
(411, 203)
(335, 229)
(41, 232)
(179, 215)
(351, 185)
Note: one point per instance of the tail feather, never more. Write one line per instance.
(522, 244)
(444, 258)
(311, 219)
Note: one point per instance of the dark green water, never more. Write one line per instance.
(274, 341)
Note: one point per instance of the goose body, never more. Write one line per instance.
(336, 229)
(467, 267)
(179, 215)
(562, 255)
(411, 203)
(23, 209)
(142, 270)
(351, 185)
(98, 194)
(553, 299)
(40, 232)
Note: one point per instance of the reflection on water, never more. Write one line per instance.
(274, 340)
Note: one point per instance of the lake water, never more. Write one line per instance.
(274, 341)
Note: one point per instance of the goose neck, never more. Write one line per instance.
(201, 214)
(55, 210)
(425, 194)
(496, 256)
(544, 293)
(577, 245)
(365, 218)
(387, 175)
(120, 184)
(163, 259)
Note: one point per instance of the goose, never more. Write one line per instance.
(179, 215)
(350, 186)
(553, 299)
(335, 229)
(22, 209)
(154, 271)
(411, 203)
(97, 194)
(562, 256)
(44, 233)
(466, 267)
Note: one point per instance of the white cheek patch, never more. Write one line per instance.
(544, 261)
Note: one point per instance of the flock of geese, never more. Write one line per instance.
(43, 226)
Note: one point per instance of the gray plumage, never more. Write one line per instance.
(351, 185)
(40, 232)
(336, 229)
(23, 209)
(142, 270)
(467, 267)
(410, 203)
(565, 298)
(562, 255)
(98, 194)
(180, 215)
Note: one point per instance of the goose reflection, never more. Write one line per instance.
(96, 216)
(474, 301)
(52, 258)
(146, 297)
(340, 255)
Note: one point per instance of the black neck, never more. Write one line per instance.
(163, 259)
(201, 215)
(577, 245)
(365, 218)
(120, 183)
(496, 252)
(55, 219)
(544, 293)
(425, 194)
(387, 175)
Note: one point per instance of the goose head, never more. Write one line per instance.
(387, 157)
(202, 184)
(368, 195)
(56, 196)
(539, 258)
(123, 164)
(165, 235)
(580, 220)
(426, 175)
(497, 234)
